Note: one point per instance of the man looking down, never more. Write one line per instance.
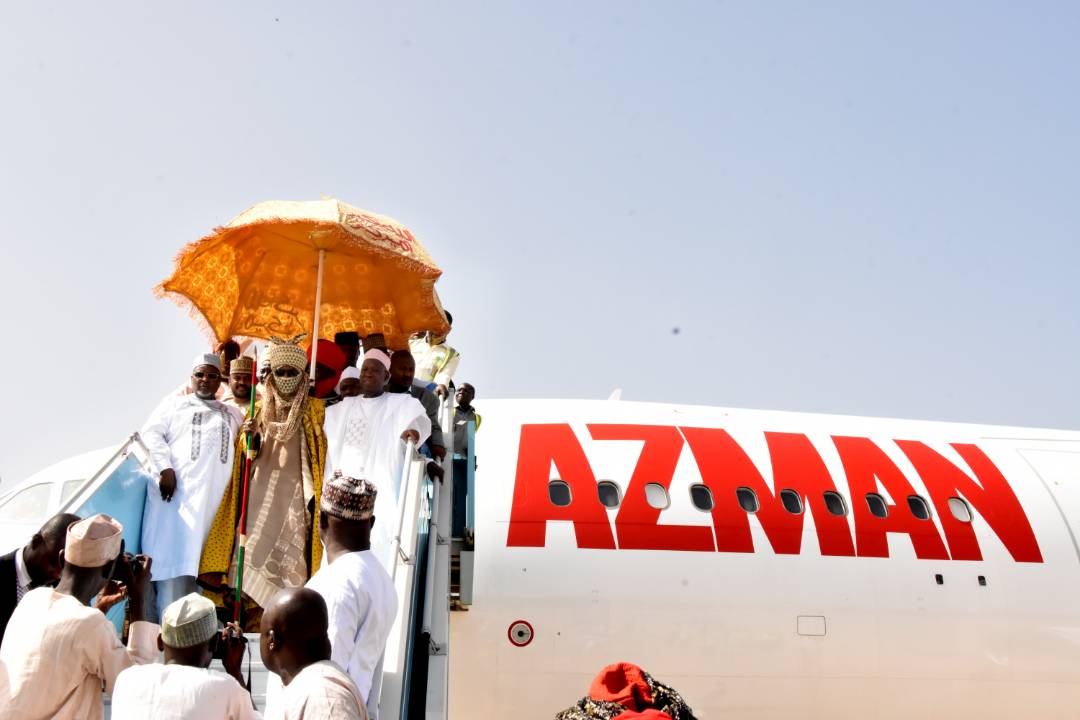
(294, 644)
(58, 653)
(364, 439)
(402, 372)
(359, 594)
(184, 688)
(36, 564)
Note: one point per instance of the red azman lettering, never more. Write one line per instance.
(991, 496)
(540, 446)
(725, 467)
(867, 465)
(796, 465)
(636, 525)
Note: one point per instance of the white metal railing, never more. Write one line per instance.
(412, 508)
(438, 592)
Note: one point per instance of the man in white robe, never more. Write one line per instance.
(191, 439)
(59, 653)
(365, 439)
(360, 597)
(184, 687)
(294, 644)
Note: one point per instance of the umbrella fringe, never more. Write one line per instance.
(184, 303)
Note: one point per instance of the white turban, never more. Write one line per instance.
(93, 542)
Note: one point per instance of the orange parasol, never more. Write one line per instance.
(320, 267)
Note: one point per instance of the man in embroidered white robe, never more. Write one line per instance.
(365, 439)
(191, 439)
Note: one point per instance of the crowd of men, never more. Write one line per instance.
(322, 463)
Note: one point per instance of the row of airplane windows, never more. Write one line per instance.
(701, 497)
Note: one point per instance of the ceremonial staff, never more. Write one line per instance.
(245, 470)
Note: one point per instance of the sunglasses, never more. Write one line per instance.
(206, 376)
(286, 372)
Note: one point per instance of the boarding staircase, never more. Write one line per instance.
(432, 571)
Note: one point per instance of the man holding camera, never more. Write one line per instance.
(58, 653)
(184, 688)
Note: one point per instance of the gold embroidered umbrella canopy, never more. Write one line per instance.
(319, 267)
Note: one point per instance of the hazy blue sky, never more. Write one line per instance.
(845, 207)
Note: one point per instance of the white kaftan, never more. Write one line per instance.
(179, 692)
(321, 691)
(58, 654)
(363, 440)
(361, 603)
(197, 439)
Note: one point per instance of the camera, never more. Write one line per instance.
(219, 643)
(125, 568)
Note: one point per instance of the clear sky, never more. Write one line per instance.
(843, 207)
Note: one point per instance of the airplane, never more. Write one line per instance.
(764, 564)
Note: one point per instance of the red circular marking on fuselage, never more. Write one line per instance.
(514, 641)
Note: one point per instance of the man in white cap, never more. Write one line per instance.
(283, 547)
(59, 653)
(360, 597)
(184, 688)
(365, 436)
(348, 386)
(191, 439)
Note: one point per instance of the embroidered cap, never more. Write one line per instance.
(348, 498)
(287, 353)
(242, 364)
(189, 621)
(374, 341)
(211, 359)
(93, 542)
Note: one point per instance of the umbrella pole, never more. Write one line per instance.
(245, 470)
(318, 306)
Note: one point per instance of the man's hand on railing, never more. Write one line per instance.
(411, 434)
(435, 470)
(438, 451)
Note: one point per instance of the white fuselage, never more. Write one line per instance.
(772, 614)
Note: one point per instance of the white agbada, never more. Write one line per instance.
(361, 603)
(197, 439)
(58, 654)
(363, 440)
(179, 692)
(319, 691)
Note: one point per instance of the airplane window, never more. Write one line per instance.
(609, 493)
(960, 509)
(919, 508)
(70, 486)
(834, 503)
(792, 501)
(656, 495)
(28, 505)
(747, 499)
(877, 505)
(701, 496)
(559, 493)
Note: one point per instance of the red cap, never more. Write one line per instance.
(622, 683)
(646, 715)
